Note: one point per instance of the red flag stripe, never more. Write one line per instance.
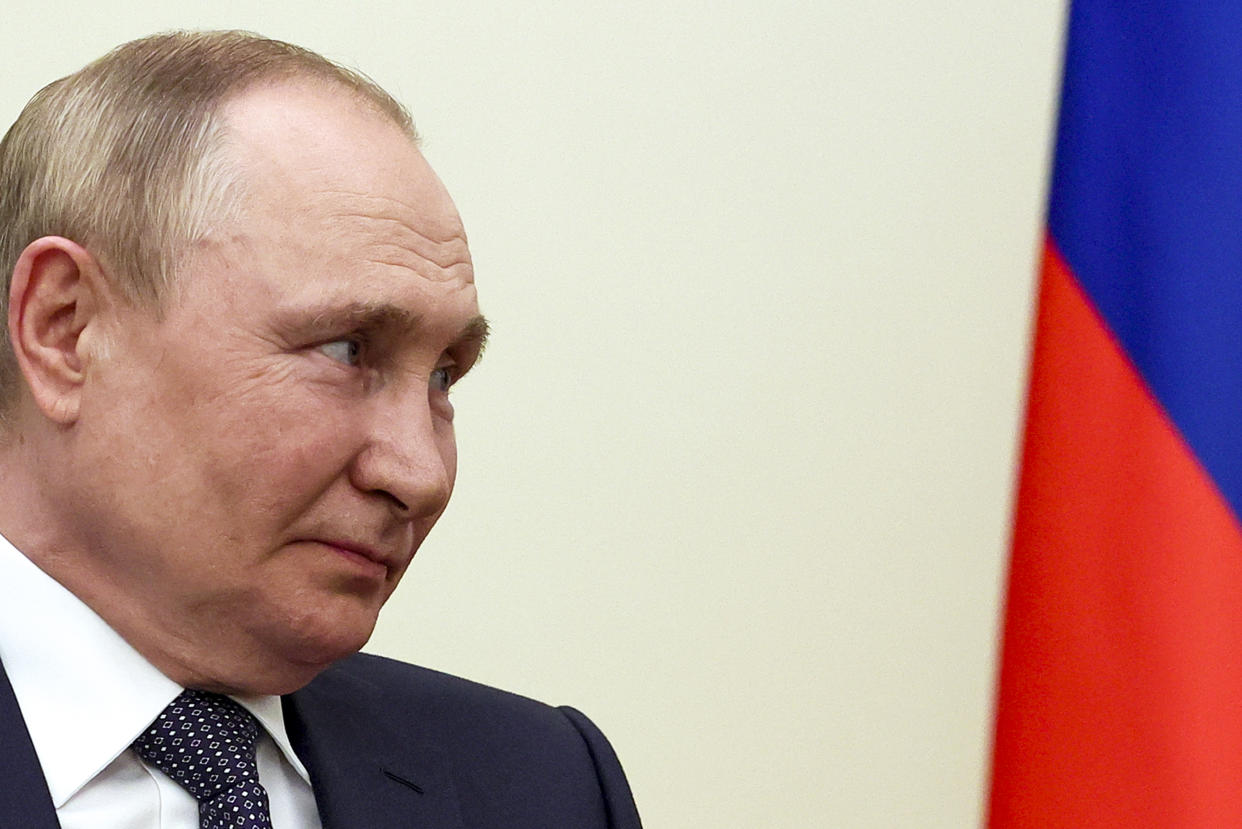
(1120, 692)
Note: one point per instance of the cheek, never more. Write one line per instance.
(275, 452)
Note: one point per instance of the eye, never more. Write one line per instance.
(347, 351)
(442, 378)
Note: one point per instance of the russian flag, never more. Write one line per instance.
(1120, 688)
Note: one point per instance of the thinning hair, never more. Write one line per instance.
(126, 156)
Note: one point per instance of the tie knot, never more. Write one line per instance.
(206, 743)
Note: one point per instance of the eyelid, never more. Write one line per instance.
(461, 358)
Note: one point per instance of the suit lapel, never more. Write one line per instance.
(25, 802)
(362, 772)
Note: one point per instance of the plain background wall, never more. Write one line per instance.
(736, 473)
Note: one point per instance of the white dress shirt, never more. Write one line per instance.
(86, 694)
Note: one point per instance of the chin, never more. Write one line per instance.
(271, 680)
(290, 649)
(288, 669)
(327, 639)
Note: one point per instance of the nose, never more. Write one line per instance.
(409, 459)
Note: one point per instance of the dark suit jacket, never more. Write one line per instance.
(390, 745)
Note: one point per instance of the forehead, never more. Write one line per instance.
(301, 141)
(333, 188)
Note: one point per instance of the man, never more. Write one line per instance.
(238, 301)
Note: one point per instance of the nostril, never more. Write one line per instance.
(401, 506)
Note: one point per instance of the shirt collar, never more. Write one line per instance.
(271, 715)
(84, 692)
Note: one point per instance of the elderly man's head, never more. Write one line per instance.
(234, 323)
(126, 156)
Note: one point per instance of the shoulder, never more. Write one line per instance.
(503, 747)
(422, 686)
(428, 697)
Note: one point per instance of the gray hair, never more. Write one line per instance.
(125, 156)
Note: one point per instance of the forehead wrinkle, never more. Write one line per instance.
(432, 219)
(379, 205)
(391, 240)
(445, 269)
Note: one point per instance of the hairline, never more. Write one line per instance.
(232, 183)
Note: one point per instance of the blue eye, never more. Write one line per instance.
(348, 352)
(442, 378)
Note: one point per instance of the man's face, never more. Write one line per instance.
(275, 448)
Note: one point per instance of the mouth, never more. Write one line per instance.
(364, 558)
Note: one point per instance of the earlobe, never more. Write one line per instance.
(53, 297)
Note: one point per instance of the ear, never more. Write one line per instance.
(57, 291)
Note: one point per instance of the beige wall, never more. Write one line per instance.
(736, 473)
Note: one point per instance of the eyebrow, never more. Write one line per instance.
(373, 316)
(474, 335)
(366, 316)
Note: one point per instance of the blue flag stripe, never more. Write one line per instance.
(1146, 204)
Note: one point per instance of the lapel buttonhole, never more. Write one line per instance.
(411, 784)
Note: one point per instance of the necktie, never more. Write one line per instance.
(205, 742)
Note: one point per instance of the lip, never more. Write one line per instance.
(359, 553)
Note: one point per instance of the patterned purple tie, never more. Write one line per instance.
(205, 742)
